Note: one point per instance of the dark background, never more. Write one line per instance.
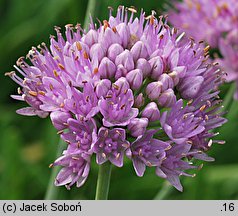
(28, 144)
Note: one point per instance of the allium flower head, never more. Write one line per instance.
(125, 87)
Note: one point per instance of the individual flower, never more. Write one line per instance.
(76, 167)
(174, 165)
(147, 151)
(116, 106)
(111, 145)
(180, 124)
(81, 134)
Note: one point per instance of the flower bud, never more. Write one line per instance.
(189, 87)
(90, 38)
(135, 79)
(108, 37)
(121, 85)
(96, 52)
(167, 81)
(151, 112)
(139, 50)
(139, 101)
(181, 71)
(153, 90)
(175, 77)
(107, 68)
(157, 66)
(103, 87)
(137, 126)
(114, 50)
(59, 119)
(126, 59)
(144, 65)
(124, 32)
(167, 98)
(121, 71)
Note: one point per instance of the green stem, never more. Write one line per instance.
(53, 191)
(229, 97)
(164, 192)
(103, 182)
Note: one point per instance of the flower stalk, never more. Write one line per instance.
(103, 181)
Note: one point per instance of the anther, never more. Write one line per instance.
(202, 108)
(106, 133)
(55, 73)
(123, 106)
(78, 45)
(33, 93)
(117, 156)
(85, 55)
(51, 165)
(105, 24)
(115, 86)
(61, 66)
(114, 29)
(95, 71)
(60, 132)
(104, 155)
(41, 93)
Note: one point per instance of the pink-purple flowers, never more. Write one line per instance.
(130, 87)
(216, 22)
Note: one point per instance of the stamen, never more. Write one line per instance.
(95, 71)
(61, 66)
(55, 73)
(122, 106)
(117, 156)
(78, 45)
(85, 55)
(106, 133)
(33, 93)
(104, 155)
(202, 108)
(51, 165)
(105, 24)
(78, 144)
(115, 86)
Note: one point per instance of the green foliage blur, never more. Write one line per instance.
(28, 144)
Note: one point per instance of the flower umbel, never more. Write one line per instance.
(127, 87)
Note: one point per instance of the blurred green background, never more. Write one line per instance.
(28, 144)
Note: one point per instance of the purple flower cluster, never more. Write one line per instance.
(129, 87)
(218, 26)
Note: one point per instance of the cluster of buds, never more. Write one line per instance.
(130, 87)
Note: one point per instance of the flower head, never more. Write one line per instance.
(130, 85)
